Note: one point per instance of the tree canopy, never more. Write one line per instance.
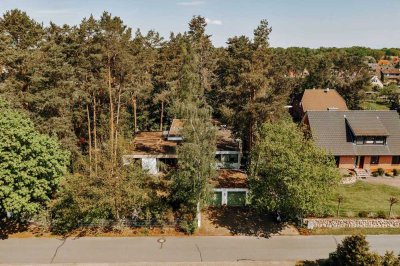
(288, 173)
(31, 165)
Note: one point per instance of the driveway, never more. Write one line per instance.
(178, 249)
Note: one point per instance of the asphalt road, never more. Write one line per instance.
(177, 249)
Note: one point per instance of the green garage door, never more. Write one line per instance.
(236, 198)
(216, 199)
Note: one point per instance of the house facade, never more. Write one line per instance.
(156, 151)
(358, 139)
(390, 75)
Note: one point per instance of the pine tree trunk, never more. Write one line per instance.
(134, 113)
(117, 122)
(111, 110)
(90, 140)
(95, 134)
(390, 211)
(162, 115)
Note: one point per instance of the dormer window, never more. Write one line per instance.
(371, 140)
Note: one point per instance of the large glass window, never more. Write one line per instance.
(374, 159)
(396, 160)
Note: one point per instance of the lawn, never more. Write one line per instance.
(374, 106)
(362, 196)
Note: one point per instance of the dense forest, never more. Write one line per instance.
(94, 85)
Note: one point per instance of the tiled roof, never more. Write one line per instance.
(365, 125)
(329, 131)
(322, 100)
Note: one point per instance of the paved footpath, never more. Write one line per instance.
(177, 249)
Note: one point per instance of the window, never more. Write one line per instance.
(378, 140)
(396, 160)
(374, 159)
(369, 140)
(359, 140)
(233, 158)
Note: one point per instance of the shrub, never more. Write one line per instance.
(389, 259)
(375, 174)
(350, 214)
(388, 174)
(381, 215)
(363, 214)
(188, 226)
(396, 172)
(381, 171)
(354, 250)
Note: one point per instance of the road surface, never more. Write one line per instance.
(177, 249)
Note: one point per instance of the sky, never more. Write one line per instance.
(305, 23)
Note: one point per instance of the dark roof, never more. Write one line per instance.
(322, 100)
(365, 125)
(330, 131)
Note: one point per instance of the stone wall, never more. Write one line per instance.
(312, 223)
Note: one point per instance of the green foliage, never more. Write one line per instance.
(288, 173)
(381, 171)
(363, 214)
(196, 154)
(85, 199)
(31, 165)
(396, 172)
(354, 251)
(389, 259)
(381, 214)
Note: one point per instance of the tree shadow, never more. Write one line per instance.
(244, 221)
(320, 262)
(8, 227)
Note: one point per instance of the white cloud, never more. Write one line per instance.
(191, 3)
(213, 21)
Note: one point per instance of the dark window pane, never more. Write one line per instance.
(396, 160)
(374, 159)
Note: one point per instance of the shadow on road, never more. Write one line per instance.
(243, 221)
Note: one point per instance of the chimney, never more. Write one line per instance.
(326, 90)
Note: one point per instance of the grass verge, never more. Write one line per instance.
(364, 197)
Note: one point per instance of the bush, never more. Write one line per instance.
(375, 174)
(188, 226)
(388, 174)
(354, 250)
(363, 214)
(396, 172)
(389, 259)
(381, 215)
(381, 171)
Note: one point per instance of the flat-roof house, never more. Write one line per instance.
(157, 153)
(320, 100)
(358, 139)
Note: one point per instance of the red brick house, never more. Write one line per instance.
(358, 139)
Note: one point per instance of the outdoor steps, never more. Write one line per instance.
(361, 173)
